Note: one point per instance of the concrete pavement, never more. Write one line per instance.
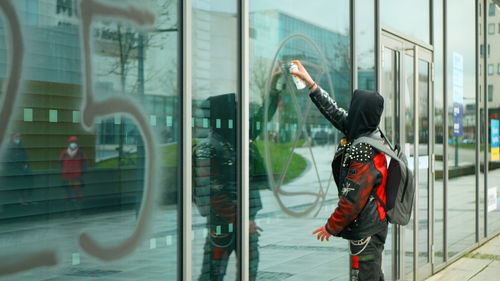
(480, 264)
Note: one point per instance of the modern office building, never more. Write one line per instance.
(199, 159)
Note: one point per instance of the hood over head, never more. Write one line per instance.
(221, 112)
(364, 113)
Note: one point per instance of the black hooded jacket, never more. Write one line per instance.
(360, 171)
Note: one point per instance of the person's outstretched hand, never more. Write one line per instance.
(322, 233)
(304, 75)
(254, 229)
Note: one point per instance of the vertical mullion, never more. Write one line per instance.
(354, 46)
(478, 125)
(245, 150)
(180, 152)
(186, 138)
(402, 141)
(354, 70)
(378, 53)
(432, 139)
(445, 126)
(415, 161)
(486, 118)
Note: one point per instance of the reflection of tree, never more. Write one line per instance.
(129, 46)
(127, 42)
(259, 76)
(339, 58)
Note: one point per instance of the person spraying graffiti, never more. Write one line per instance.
(360, 172)
(73, 164)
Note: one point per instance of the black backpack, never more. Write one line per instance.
(400, 189)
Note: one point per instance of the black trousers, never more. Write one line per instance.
(367, 265)
(216, 257)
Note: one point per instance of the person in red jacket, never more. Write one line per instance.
(360, 172)
(73, 164)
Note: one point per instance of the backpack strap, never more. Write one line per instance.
(377, 144)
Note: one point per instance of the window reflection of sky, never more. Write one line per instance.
(409, 17)
(461, 39)
(332, 15)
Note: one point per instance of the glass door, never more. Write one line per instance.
(406, 87)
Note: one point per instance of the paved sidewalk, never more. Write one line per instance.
(480, 264)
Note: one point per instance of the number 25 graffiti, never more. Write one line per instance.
(91, 110)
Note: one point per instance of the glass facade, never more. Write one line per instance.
(95, 173)
(290, 141)
(492, 131)
(215, 102)
(439, 132)
(365, 32)
(416, 15)
(81, 156)
(461, 98)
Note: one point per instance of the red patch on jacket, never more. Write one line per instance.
(381, 165)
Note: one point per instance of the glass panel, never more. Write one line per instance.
(438, 112)
(491, 28)
(390, 83)
(365, 37)
(415, 13)
(215, 103)
(59, 178)
(483, 124)
(390, 80)
(493, 192)
(423, 162)
(492, 9)
(292, 144)
(461, 129)
(409, 115)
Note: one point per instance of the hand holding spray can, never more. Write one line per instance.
(299, 83)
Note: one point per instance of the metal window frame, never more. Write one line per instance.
(186, 142)
(486, 141)
(432, 139)
(354, 68)
(477, 125)
(445, 140)
(416, 171)
(244, 54)
(354, 47)
(180, 156)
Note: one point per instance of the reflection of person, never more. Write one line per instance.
(73, 164)
(16, 168)
(360, 173)
(215, 190)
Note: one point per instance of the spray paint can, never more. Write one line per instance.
(299, 83)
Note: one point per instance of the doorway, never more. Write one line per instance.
(406, 84)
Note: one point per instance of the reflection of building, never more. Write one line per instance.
(366, 79)
(48, 110)
(213, 45)
(493, 57)
(51, 93)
